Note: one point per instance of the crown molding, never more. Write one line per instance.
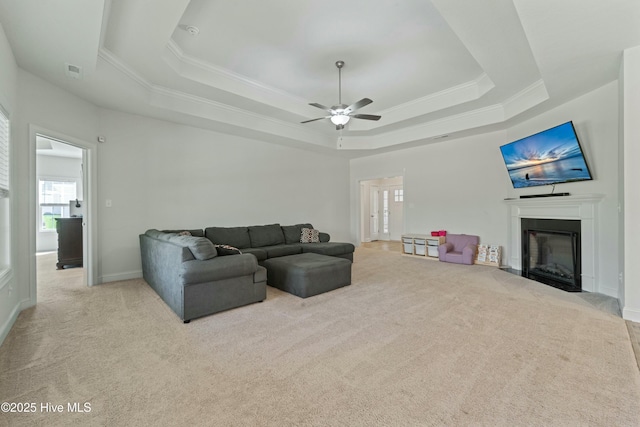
(527, 98)
(196, 106)
(207, 109)
(450, 97)
(203, 72)
(206, 73)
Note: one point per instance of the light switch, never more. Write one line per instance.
(108, 203)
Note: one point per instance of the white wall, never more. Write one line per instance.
(162, 175)
(56, 168)
(460, 185)
(631, 138)
(45, 106)
(456, 186)
(595, 116)
(10, 301)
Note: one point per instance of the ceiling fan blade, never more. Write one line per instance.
(366, 116)
(313, 120)
(320, 106)
(353, 107)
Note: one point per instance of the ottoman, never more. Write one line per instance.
(308, 274)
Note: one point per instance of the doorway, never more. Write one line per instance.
(62, 181)
(382, 208)
(60, 207)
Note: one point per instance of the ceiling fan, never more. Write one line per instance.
(341, 113)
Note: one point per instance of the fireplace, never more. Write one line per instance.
(583, 208)
(551, 252)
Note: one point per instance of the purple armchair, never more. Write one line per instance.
(459, 248)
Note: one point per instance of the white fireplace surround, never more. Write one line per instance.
(582, 207)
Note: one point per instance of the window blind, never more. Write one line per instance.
(4, 154)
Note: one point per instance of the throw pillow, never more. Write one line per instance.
(184, 233)
(309, 235)
(292, 232)
(227, 250)
(201, 248)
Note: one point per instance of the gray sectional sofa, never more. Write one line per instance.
(274, 240)
(220, 268)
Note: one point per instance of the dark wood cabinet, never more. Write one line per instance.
(69, 242)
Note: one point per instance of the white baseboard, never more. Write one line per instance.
(107, 278)
(632, 314)
(6, 327)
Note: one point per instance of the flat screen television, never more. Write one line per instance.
(549, 157)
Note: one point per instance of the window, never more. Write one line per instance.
(385, 211)
(54, 201)
(5, 211)
(398, 195)
(4, 155)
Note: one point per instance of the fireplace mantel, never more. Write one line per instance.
(583, 207)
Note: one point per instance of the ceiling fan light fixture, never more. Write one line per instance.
(340, 114)
(340, 119)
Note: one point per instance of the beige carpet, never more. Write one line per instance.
(410, 342)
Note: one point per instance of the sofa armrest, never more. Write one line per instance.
(444, 248)
(218, 268)
(469, 253)
(469, 249)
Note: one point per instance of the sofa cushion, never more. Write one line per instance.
(282, 250)
(200, 247)
(460, 241)
(309, 235)
(232, 236)
(292, 232)
(192, 272)
(266, 235)
(195, 232)
(328, 248)
(259, 253)
(156, 234)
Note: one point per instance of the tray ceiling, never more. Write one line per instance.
(432, 68)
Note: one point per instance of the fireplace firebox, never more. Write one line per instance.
(551, 252)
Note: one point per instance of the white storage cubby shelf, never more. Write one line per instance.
(422, 245)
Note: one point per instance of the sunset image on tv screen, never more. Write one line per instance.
(546, 158)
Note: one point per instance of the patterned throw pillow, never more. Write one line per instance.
(227, 250)
(184, 233)
(309, 235)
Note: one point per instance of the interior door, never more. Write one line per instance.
(396, 204)
(374, 212)
(386, 214)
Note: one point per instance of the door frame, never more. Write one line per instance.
(363, 196)
(393, 211)
(374, 189)
(89, 183)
